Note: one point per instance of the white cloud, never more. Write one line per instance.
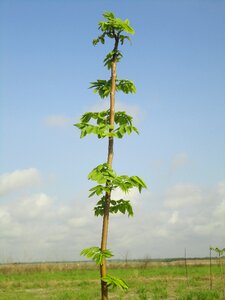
(4, 216)
(221, 189)
(174, 218)
(17, 179)
(8, 226)
(37, 205)
(49, 230)
(219, 212)
(183, 195)
(57, 121)
(179, 161)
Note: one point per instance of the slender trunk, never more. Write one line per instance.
(210, 267)
(185, 262)
(105, 223)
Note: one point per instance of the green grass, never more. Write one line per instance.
(67, 282)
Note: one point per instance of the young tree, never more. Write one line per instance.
(110, 124)
(220, 253)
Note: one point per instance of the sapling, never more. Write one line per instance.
(220, 253)
(110, 124)
(185, 263)
(210, 266)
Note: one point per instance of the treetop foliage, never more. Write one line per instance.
(113, 29)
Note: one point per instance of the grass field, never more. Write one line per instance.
(146, 280)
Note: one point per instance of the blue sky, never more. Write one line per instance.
(46, 64)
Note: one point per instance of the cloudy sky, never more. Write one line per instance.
(46, 64)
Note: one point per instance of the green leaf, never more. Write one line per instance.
(102, 173)
(95, 41)
(138, 182)
(121, 118)
(113, 282)
(96, 254)
(118, 135)
(113, 29)
(101, 128)
(125, 183)
(115, 54)
(121, 205)
(88, 252)
(217, 250)
(115, 24)
(124, 37)
(99, 190)
(108, 15)
(102, 87)
(126, 86)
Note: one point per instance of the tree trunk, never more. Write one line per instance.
(105, 223)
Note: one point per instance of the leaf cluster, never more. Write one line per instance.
(101, 128)
(125, 183)
(217, 250)
(115, 282)
(115, 24)
(113, 29)
(96, 254)
(115, 54)
(103, 174)
(103, 87)
(116, 206)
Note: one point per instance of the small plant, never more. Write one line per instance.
(220, 253)
(110, 124)
(210, 268)
(185, 264)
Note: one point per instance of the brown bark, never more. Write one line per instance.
(105, 223)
